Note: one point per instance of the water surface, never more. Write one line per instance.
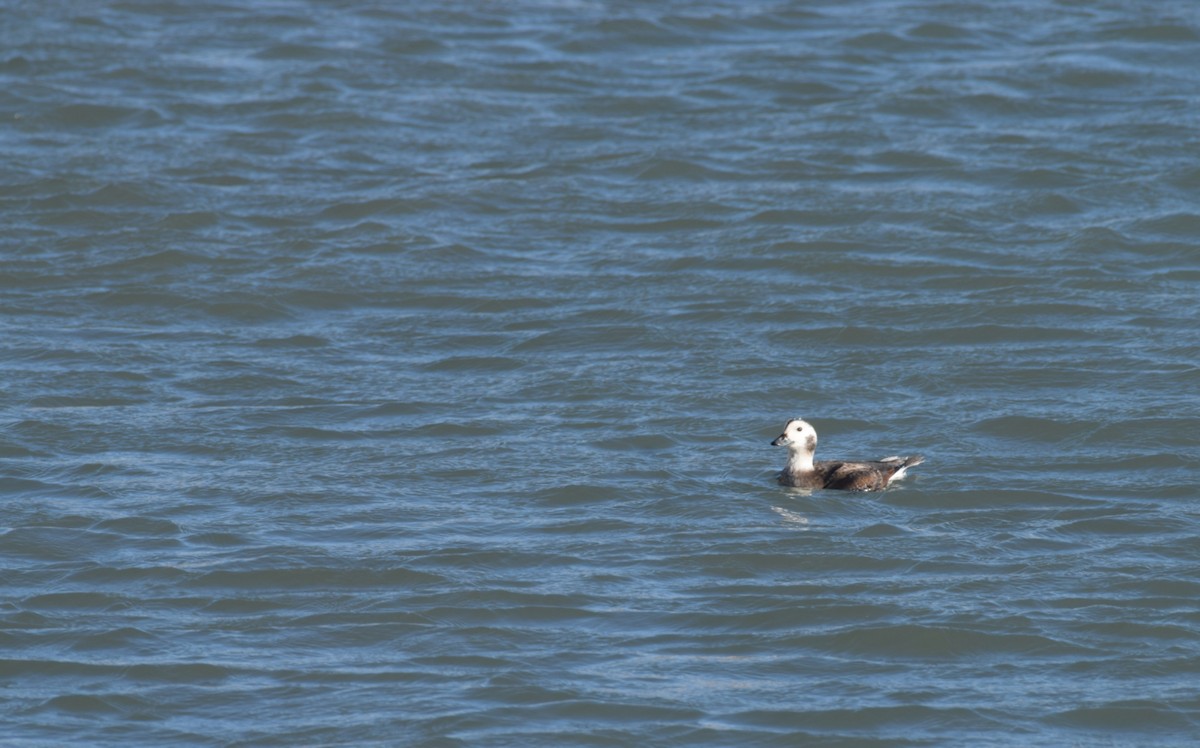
(403, 374)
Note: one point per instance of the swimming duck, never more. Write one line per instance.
(801, 471)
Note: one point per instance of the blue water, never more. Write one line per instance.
(404, 374)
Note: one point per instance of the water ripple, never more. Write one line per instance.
(407, 373)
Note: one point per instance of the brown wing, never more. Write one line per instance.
(858, 476)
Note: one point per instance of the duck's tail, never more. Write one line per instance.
(904, 464)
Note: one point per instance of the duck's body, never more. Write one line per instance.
(802, 471)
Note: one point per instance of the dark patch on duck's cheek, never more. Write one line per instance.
(810, 442)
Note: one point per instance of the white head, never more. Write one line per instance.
(798, 434)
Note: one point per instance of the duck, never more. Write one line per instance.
(801, 471)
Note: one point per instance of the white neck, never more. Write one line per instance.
(799, 461)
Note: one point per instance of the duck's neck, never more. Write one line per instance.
(799, 461)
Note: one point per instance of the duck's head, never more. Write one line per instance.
(798, 435)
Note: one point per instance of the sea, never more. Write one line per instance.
(402, 373)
